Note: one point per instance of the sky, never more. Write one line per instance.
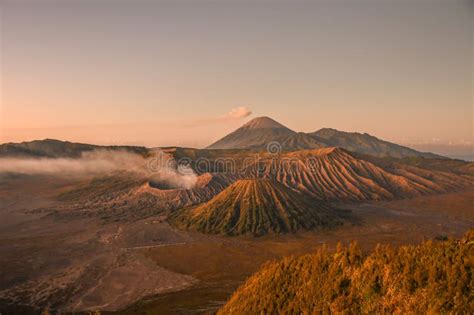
(162, 73)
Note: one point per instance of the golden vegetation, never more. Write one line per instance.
(434, 277)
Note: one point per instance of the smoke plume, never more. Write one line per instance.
(105, 162)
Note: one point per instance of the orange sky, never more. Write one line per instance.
(166, 73)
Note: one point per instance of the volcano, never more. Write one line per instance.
(335, 174)
(255, 134)
(260, 132)
(256, 207)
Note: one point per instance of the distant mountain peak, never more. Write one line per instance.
(255, 134)
(263, 122)
(259, 132)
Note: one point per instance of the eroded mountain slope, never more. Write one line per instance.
(335, 174)
(257, 207)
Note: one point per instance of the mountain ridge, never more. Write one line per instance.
(251, 136)
(257, 134)
(337, 174)
(52, 148)
(365, 143)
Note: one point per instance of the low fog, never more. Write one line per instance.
(158, 168)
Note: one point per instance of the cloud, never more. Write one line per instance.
(90, 163)
(234, 114)
(105, 162)
(167, 173)
(239, 112)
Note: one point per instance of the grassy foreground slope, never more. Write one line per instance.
(434, 277)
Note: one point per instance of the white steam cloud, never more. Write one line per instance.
(104, 162)
(168, 173)
(90, 163)
(239, 112)
(234, 114)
